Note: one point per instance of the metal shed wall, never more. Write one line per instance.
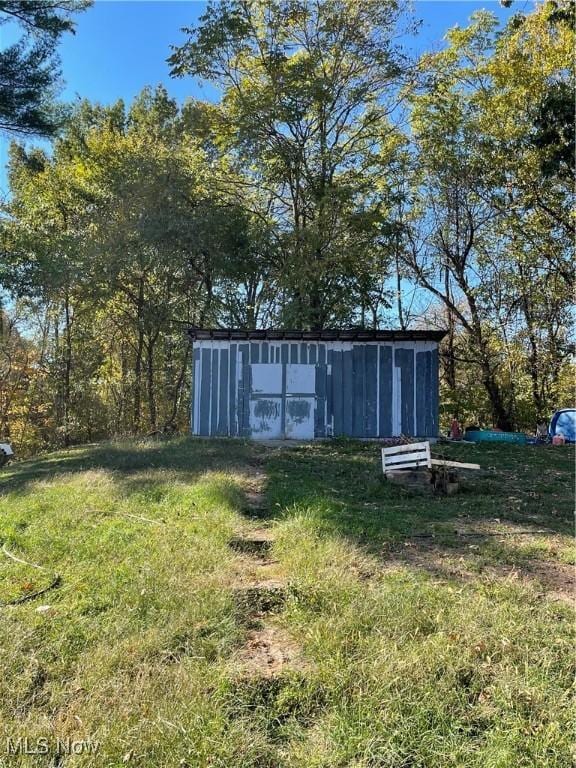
(372, 389)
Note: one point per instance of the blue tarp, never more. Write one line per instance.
(564, 423)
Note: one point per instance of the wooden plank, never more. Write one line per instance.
(232, 390)
(434, 396)
(406, 465)
(320, 408)
(371, 380)
(337, 390)
(223, 396)
(244, 392)
(214, 395)
(347, 392)
(457, 464)
(195, 395)
(404, 359)
(422, 394)
(394, 449)
(205, 389)
(358, 390)
(402, 458)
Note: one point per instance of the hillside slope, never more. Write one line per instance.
(226, 604)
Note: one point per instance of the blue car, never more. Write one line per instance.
(564, 423)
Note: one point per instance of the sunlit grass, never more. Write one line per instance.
(426, 654)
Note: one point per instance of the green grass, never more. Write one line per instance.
(436, 631)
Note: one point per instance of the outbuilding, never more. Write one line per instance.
(269, 384)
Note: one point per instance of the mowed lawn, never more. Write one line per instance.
(423, 632)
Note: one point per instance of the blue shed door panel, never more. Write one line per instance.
(232, 395)
(358, 390)
(223, 404)
(205, 391)
(434, 403)
(320, 410)
(371, 390)
(385, 391)
(422, 392)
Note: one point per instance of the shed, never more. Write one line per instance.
(269, 384)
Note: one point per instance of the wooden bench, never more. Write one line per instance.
(415, 456)
(401, 457)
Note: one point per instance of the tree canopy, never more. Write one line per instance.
(334, 182)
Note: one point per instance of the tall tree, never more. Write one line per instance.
(29, 68)
(492, 232)
(121, 240)
(309, 93)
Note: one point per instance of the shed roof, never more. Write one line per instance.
(354, 334)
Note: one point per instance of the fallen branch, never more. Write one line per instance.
(139, 517)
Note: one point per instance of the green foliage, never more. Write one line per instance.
(29, 69)
(120, 239)
(491, 232)
(307, 97)
(298, 200)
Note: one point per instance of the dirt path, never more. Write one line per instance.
(260, 591)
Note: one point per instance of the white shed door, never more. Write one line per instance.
(266, 401)
(300, 401)
(282, 401)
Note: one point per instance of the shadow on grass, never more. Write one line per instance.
(188, 457)
(510, 515)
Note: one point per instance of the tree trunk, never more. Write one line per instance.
(501, 413)
(400, 306)
(150, 380)
(138, 361)
(450, 355)
(178, 389)
(67, 370)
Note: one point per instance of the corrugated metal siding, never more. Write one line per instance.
(372, 389)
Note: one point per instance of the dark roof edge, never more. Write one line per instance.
(355, 334)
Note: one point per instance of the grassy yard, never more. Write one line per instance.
(375, 629)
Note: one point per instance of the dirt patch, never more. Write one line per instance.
(466, 561)
(269, 651)
(255, 498)
(557, 579)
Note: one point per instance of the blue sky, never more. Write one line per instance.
(121, 46)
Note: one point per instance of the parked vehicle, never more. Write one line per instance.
(6, 453)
